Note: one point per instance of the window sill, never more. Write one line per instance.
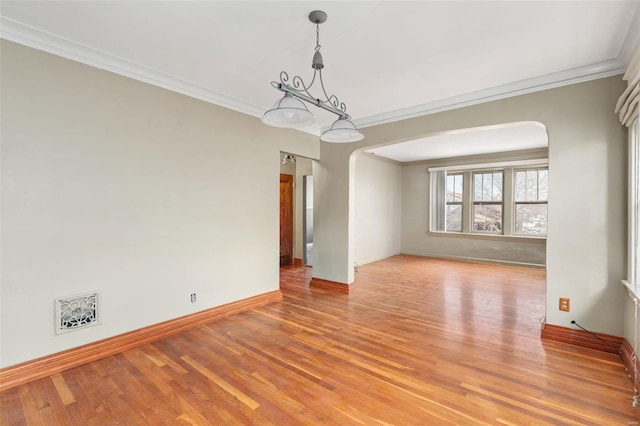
(490, 237)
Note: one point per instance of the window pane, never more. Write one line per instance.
(487, 218)
(497, 187)
(487, 186)
(458, 187)
(543, 185)
(454, 188)
(454, 218)
(477, 187)
(532, 185)
(531, 219)
(520, 185)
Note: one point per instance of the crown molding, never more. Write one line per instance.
(29, 36)
(38, 39)
(26, 35)
(545, 82)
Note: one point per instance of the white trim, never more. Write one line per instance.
(38, 39)
(538, 162)
(531, 85)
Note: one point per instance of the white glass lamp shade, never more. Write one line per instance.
(288, 112)
(341, 131)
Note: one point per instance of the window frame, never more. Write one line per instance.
(527, 202)
(508, 203)
(475, 203)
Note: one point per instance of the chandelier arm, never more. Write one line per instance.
(300, 94)
(327, 97)
(335, 103)
(298, 85)
(299, 82)
(296, 81)
(333, 99)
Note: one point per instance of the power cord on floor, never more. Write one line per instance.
(593, 334)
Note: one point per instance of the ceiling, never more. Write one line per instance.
(385, 60)
(476, 141)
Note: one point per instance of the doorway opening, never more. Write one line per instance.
(296, 210)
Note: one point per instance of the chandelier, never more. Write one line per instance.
(290, 112)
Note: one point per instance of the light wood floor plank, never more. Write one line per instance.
(63, 390)
(213, 377)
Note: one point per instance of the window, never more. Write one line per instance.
(508, 198)
(453, 221)
(531, 195)
(487, 202)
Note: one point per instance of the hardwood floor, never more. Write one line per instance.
(418, 341)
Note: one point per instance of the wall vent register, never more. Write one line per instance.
(76, 312)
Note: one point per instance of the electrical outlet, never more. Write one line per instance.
(193, 298)
(565, 304)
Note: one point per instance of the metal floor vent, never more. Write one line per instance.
(76, 312)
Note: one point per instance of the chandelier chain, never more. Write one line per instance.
(317, 37)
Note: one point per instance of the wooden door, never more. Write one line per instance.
(286, 220)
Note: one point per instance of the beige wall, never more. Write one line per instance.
(587, 191)
(136, 192)
(378, 202)
(333, 211)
